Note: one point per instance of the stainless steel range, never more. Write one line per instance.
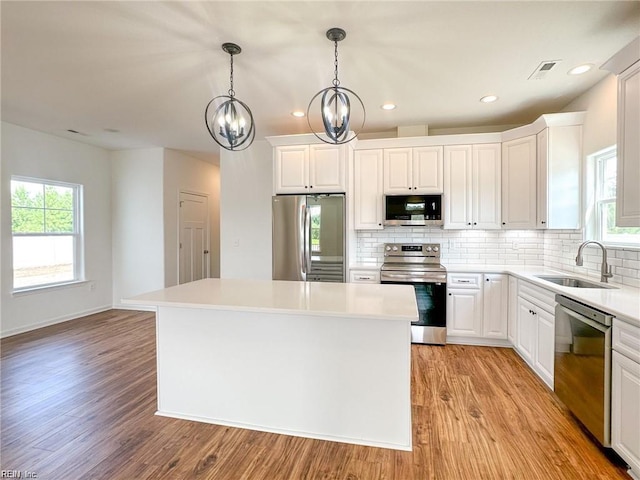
(418, 264)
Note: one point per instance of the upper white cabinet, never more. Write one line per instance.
(472, 186)
(559, 152)
(368, 173)
(413, 170)
(626, 64)
(310, 169)
(628, 150)
(519, 183)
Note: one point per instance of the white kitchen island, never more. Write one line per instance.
(319, 360)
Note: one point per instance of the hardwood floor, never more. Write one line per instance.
(78, 402)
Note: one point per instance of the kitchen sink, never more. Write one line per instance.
(572, 282)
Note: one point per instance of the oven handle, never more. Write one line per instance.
(581, 318)
(403, 277)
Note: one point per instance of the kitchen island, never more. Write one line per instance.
(321, 360)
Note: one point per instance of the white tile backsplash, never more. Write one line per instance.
(553, 248)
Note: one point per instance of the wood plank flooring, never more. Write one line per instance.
(78, 402)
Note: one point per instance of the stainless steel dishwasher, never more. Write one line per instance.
(582, 367)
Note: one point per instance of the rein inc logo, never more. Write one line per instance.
(17, 474)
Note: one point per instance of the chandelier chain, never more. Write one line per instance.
(336, 82)
(231, 91)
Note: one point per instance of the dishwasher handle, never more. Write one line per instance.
(581, 318)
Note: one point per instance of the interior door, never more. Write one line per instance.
(193, 262)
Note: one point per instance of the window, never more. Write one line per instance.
(605, 196)
(47, 240)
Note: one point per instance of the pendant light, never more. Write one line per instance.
(229, 120)
(336, 103)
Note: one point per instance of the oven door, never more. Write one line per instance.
(431, 297)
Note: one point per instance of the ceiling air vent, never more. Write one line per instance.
(543, 69)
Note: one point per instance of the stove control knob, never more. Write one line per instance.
(388, 248)
(435, 249)
(395, 249)
(429, 249)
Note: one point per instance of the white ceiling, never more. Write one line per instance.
(148, 69)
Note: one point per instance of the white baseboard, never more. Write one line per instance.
(54, 321)
(479, 342)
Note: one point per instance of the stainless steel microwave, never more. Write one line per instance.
(413, 210)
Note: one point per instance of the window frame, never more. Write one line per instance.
(601, 201)
(77, 235)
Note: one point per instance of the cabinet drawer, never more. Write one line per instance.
(541, 297)
(626, 339)
(364, 276)
(464, 280)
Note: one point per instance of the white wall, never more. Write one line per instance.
(185, 173)
(34, 154)
(245, 212)
(138, 222)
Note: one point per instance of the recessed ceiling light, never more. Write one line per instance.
(298, 113)
(489, 99)
(388, 106)
(580, 69)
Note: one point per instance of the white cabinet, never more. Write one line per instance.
(310, 169)
(519, 183)
(513, 310)
(495, 305)
(559, 154)
(368, 173)
(535, 336)
(625, 393)
(477, 307)
(628, 148)
(364, 275)
(472, 186)
(413, 170)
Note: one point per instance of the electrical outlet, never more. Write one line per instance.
(515, 245)
(236, 242)
(92, 286)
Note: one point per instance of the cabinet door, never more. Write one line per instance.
(487, 187)
(495, 301)
(513, 310)
(428, 170)
(628, 193)
(625, 409)
(398, 171)
(544, 348)
(464, 312)
(368, 189)
(457, 183)
(327, 169)
(292, 169)
(526, 330)
(559, 152)
(519, 183)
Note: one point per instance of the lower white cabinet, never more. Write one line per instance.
(477, 307)
(512, 320)
(625, 393)
(535, 325)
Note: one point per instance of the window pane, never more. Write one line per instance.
(27, 194)
(27, 220)
(59, 221)
(609, 178)
(42, 260)
(60, 198)
(613, 234)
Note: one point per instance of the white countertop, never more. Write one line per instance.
(393, 302)
(621, 301)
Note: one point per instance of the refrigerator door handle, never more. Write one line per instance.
(307, 240)
(302, 250)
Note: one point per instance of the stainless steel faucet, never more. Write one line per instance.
(605, 270)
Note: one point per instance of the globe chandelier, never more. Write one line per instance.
(229, 120)
(336, 103)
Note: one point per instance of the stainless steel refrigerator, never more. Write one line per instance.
(309, 237)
